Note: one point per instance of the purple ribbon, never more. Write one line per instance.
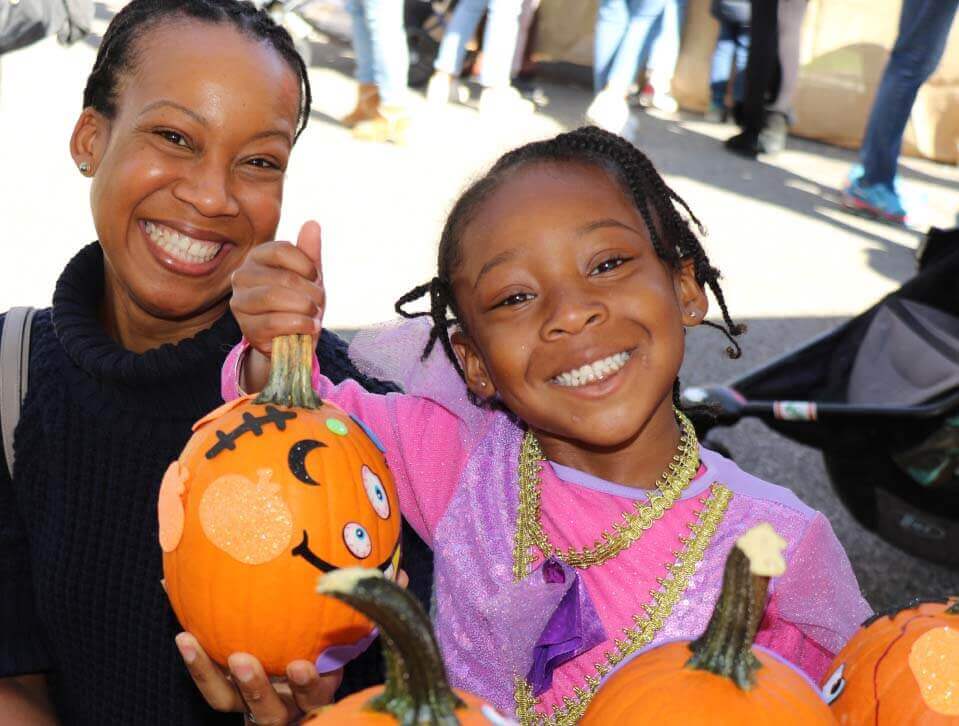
(573, 629)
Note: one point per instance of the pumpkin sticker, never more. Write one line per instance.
(283, 489)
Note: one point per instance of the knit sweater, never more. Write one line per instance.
(80, 564)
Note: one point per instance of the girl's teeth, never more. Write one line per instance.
(592, 372)
(180, 246)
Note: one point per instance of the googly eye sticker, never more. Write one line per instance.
(357, 540)
(376, 492)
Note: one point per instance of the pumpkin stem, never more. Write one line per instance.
(953, 609)
(291, 369)
(725, 648)
(417, 690)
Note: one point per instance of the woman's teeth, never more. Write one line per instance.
(592, 372)
(183, 248)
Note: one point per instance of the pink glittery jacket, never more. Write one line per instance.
(537, 645)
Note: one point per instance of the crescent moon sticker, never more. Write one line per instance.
(297, 459)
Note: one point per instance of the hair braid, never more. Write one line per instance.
(118, 50)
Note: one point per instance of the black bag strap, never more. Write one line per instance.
(14, 371)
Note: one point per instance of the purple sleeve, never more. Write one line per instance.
(424, 442)
(819, 593)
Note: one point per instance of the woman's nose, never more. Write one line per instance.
(207, 189)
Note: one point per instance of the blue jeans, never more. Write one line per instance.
(379, 43)
(622, 30)
(664, 54)
(732, 46)
(499, 40)
(923, 30)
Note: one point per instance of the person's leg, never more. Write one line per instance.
(612, 18)
(499, 42)
(526, 16)
(362, 42)
(790, 17)
(923, 30)
(462, 26)
(665, 54)
(384, 20)
(762, 63)
(741, 36)
(721, 64)
(642, 16)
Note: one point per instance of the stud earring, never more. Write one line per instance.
(692, 313)
(84, 167)
(483, 384)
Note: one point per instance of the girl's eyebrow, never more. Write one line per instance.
(605, 223)
(499, 259)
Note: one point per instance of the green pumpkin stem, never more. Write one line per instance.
(725, 648)
(417, 690)
(291, 369)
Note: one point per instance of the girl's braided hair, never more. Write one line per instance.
(669, 231)
(118, 50)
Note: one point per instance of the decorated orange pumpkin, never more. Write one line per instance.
(900, 668)
(416, 690)
(269, 493)
(721, 678)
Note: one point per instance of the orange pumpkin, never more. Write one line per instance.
(269, 493)
(721, 678)
(416, 690)
(900, 668)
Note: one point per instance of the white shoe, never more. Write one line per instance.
(503, 101)
(442, 89)
(664, 102)
(610, 111)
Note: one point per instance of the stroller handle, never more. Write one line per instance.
(729, 406)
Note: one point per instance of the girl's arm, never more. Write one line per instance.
(816, 605)
(424, 442)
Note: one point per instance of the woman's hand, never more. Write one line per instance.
(278, 290)
(247, 689)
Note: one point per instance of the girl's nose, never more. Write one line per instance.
(571, 313)
(208, 190)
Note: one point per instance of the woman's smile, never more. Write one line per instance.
(184, 249)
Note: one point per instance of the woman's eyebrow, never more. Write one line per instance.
(180, 107)
(604, 223)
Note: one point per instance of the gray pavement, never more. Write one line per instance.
(795, 264)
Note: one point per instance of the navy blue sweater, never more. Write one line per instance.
(80, 566)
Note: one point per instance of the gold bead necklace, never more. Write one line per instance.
(530, 532)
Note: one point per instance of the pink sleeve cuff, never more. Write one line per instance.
(230, 373)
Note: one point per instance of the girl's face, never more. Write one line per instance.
(188, 176)
(572, 318)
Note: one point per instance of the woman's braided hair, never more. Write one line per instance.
(118, 50)
(670, 233)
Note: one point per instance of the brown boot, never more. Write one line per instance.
(367, 101)
(390, 124)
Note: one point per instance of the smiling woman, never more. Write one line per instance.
(189, 118)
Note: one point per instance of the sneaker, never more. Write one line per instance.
(877, 200)
(716, 114)
(772, 137)
(504, 101)
(442, 89)
(745, 143)
(610, 111)
(649, 97)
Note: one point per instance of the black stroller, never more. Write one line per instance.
(894, 466)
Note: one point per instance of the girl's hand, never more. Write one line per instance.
(247, 689)
(278, 290)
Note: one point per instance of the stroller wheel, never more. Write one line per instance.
(924, 523)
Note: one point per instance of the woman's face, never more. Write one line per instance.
(188, 176)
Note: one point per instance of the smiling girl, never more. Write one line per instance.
(573, 515)
(189, 118)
